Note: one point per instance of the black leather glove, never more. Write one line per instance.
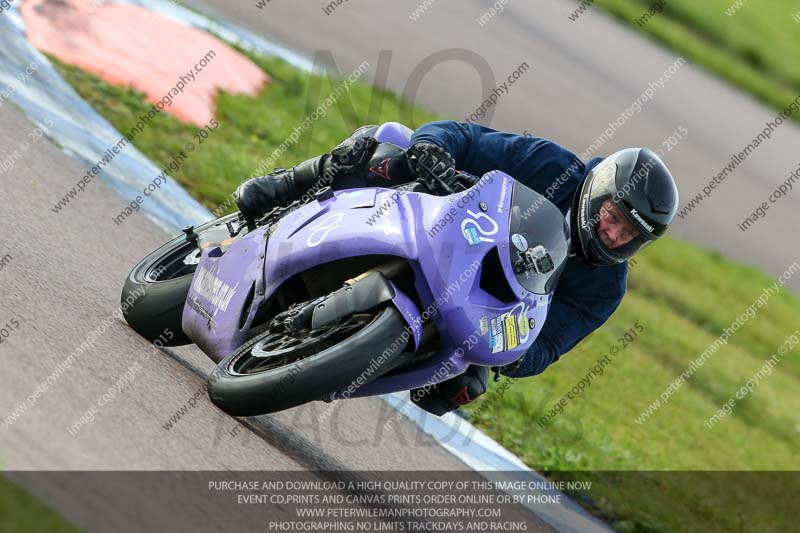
(352, 153)
(431, 160)
(257, 196)
(448, 395)
(505, 369)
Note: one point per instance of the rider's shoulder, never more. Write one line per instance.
(607, 282)
(549, 149)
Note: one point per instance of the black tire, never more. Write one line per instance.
(312, 378)
(158, 300)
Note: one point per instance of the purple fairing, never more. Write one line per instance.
(447, 241)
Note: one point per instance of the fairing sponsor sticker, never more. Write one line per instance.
(320, 231)
(197, 306)
(524, 326)
(509, 330)
(213, 289)
(472, 237)
(496, 334)
(474, 231)
(503, 193)
(512, 333)
(520, 242)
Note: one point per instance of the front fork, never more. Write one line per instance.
(358, 294)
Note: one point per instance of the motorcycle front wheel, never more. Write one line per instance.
(280, 370)
(156, 288)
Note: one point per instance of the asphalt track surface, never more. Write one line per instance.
(63, 280)
(585, 74)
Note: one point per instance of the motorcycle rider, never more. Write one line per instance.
(616, 205)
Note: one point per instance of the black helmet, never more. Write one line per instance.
(626, 202)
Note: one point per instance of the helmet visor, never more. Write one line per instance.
(616, 234)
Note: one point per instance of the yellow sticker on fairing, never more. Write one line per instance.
(512, 335)
(524, 326)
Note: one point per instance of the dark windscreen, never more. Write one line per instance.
(538, 228)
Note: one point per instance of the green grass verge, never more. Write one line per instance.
(681, 295)
(684, 297)
(755, 48)
(251, 128)
(20, 512)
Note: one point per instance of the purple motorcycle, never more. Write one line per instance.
(357, 292)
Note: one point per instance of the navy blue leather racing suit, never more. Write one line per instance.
(586, 295)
